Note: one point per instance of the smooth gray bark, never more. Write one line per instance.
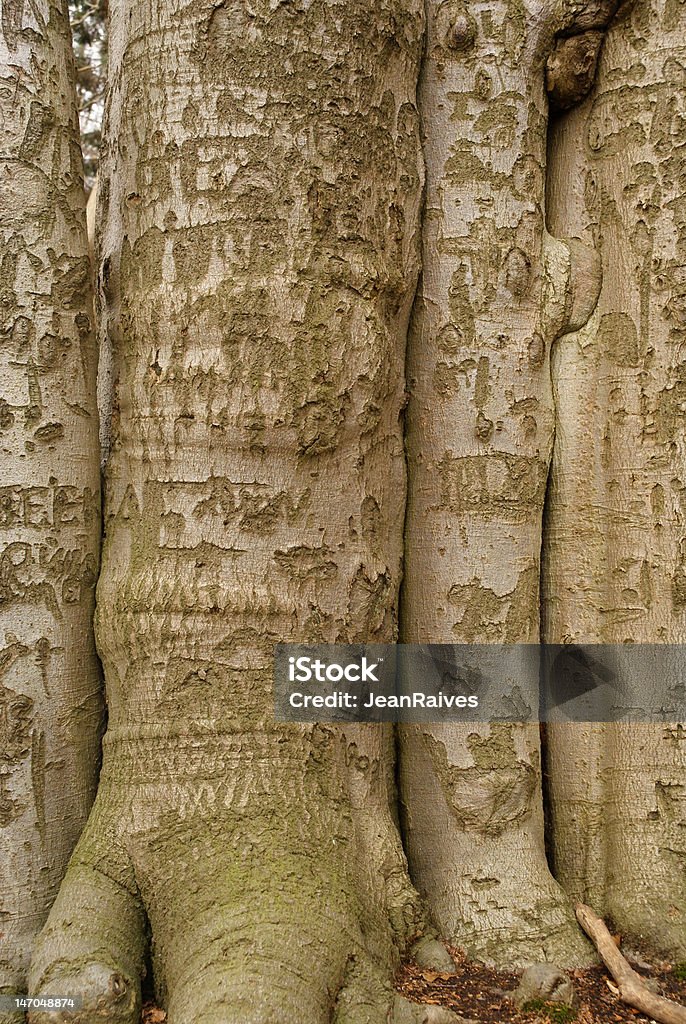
(497, 292)
(614, 552)
(50, 702)
(260, 197)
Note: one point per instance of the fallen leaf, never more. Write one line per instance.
(153, 1015)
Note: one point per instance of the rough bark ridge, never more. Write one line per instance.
(50, 704)
(259, 254)
(496, 292)
(615, 555)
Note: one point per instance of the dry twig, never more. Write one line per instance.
(632, 989)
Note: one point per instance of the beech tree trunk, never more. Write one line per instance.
(50, 703)
(497, 291)
(259, 251)
(259, 248)
(614, 556)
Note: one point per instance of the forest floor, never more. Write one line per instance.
(476, 992)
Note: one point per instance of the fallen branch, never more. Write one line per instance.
(632, 989)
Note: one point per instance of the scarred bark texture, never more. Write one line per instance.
(259, 254)
(50, 704)
(615, 554)
(497, 291)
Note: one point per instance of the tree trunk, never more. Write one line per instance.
(614, 547)
(496, 292)
(259, 252)
(50, 703)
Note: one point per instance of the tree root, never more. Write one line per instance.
(263, 910)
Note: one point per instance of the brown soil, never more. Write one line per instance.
(475, 991)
